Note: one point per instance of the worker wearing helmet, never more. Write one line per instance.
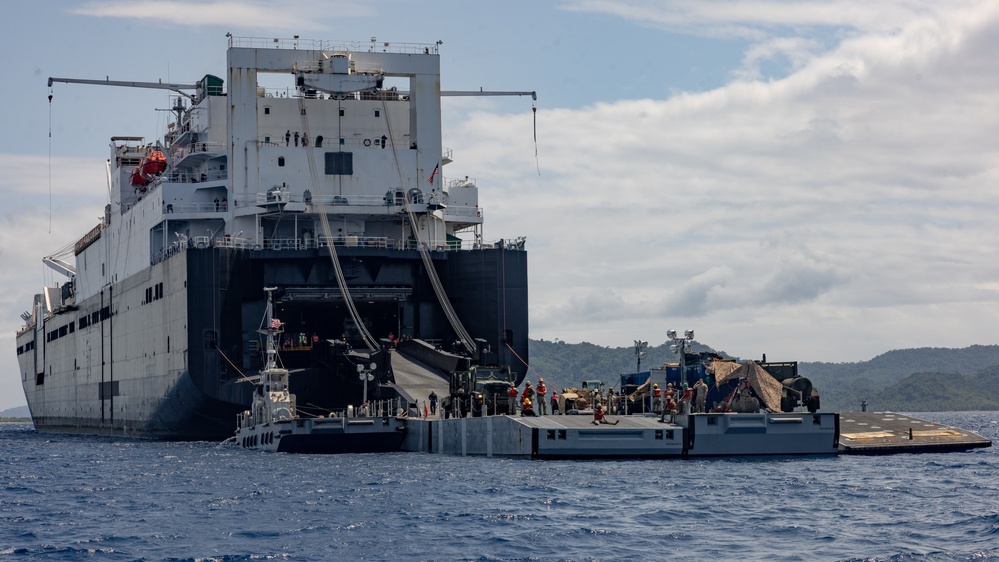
(599, 418)
(542, 391)
(526, 408)
(512, 399)
(686, 398)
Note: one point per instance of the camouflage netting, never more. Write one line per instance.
(639, 392)
(722, 369)
(765, 386)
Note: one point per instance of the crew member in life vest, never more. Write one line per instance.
(542, 391)
(512, 399)
(657, 399)
(599, 418)
(686, 399)
(669, 410)
(528, 391)
(555, 409)
(526, 408)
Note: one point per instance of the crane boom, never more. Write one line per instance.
(159, 85)
(61, 266)
(534, 95)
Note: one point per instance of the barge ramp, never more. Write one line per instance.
(880, 433)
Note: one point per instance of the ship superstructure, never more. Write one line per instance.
(331, 189)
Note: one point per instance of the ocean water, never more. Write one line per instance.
(77, 498)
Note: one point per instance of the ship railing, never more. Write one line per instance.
(195, 207)
(192, 177)
(358, 200)
(373, 46)
(289, 243)
(173, 249)
(324, 141)
(464, 211)
(453, 183)
(376, 409)
(234, 243)
(294, 93)
(281, 244)
(331, 200)
(355, 241)
(181, 150)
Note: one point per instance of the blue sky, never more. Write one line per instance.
(811, 180)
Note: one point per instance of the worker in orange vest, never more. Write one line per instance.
(526, 408)
(512, 399)
(542, 391)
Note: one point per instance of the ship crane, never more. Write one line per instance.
(480, 92)
(179, 88)
(60, 266)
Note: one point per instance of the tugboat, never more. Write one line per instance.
(273, 422)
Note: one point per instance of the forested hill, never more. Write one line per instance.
(923, 379)
(913, 380)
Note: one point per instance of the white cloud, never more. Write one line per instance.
(243, 14)
(755, 18)
(857, 193)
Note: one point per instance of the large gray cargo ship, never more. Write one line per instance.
(331, 189)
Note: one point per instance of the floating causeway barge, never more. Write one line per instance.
(690, 436)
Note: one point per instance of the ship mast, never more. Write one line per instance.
(271, 329)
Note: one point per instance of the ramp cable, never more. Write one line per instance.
(50, 160)
(534, 110)
(526, 364)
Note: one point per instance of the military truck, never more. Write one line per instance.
(479, 390)
(797, 390)
(582, 399)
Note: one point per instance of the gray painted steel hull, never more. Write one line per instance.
(171, 366)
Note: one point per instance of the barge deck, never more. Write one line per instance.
(881, 433)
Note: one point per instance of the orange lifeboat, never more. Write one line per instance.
(137, 180)
(152, 165)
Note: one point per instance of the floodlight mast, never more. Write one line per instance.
(640, 353)
(682, 347)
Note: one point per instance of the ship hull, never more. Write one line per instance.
(166, 353)
(325, 436)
